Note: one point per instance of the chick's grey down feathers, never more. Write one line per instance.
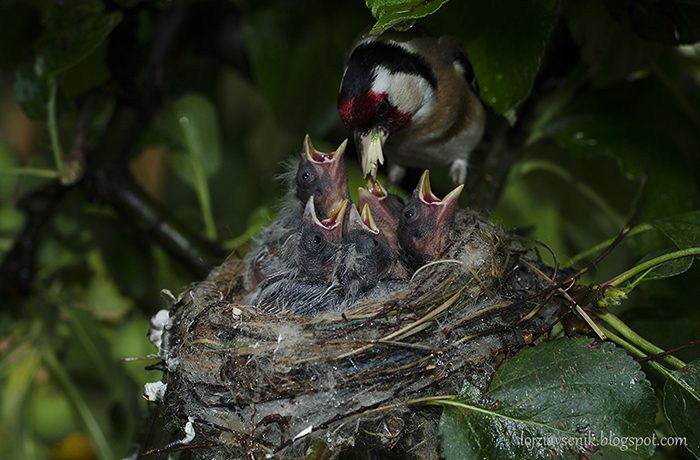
(366, 257)
(305, 263)
(314, 173)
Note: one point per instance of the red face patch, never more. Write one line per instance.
(359, 112)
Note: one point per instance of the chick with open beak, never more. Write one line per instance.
(309, 258)
(427, 223)
(367, 259)
(318, 175)
(385, 208)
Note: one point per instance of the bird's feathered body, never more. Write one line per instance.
(411, 97)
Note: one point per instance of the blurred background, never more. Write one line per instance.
(140, 143)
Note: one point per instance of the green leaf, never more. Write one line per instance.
(19, 26)
(610, 44)
(194, 124)
(682, 404)
(650, 144)
(505, 41)
(593, 397)
(400, 13)
(667, 22)
(666, 269)
(30, 95)
(683, 230)
(73, 30)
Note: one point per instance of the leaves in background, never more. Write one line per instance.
(73, 30)
(609, 44)
(666, 269)
(193, 124)
(568, 389)
(513, 30)
(650, 144)
(668, 22)
(30, 95)
(400, 14)
(682, 404)
(19, 26)
(683, 230)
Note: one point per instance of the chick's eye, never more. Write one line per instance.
(382, 109)
(409, 213)
(305, 174)
(317, 239)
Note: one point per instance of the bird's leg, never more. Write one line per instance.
(458, 171)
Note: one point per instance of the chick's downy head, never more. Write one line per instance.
(323, 176)
(427, 222)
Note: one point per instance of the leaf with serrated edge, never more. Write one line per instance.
(682, 405)
(570, 390)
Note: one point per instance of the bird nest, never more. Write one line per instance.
(240, 382)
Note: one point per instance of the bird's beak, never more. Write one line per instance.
(335, 220)
(369, 150)
(321, 158)
(330, 165)
(367, 219)
(373, 187)
(363, 222)
(375, 198)
(333, 226)
(444, 208)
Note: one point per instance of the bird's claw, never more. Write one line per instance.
(458, 171)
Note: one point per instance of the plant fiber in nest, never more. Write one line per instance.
(256, 384)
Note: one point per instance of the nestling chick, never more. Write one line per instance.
(312, 252)
(318, 174)
(366, 257)
(323, 176)
(413, 98)
(385, 208)
(427, 223)
(308, 259)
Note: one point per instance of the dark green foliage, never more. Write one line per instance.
(560, 399)
(109, 195)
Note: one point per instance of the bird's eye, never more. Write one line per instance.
(376, 243)
(409, 213)
(305, 176)
(317, 239)
(382, 109)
